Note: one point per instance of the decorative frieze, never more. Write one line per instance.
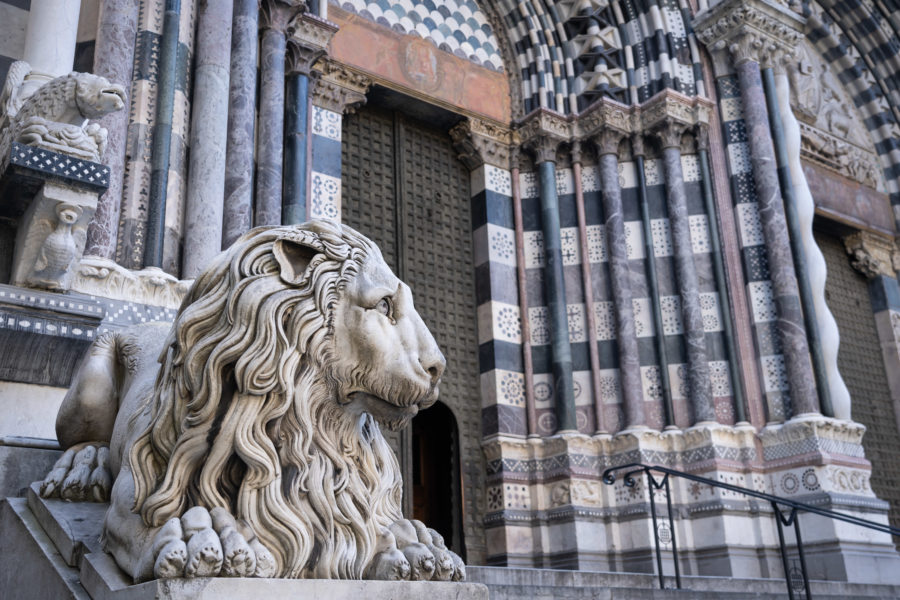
(872, 254)
(760, 31)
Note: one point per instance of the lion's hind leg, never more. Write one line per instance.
(84, 427)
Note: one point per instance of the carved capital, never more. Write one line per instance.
(480, 142)
(277, 15)
(605, 114)
(669, 132)
(761, 31)
(872, 254)
(701, 133)
(308, 37)
(339, 89)
(576, 152)
(669, 107)
(542, 132)
(607, 141)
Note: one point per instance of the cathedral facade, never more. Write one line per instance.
(642, 231)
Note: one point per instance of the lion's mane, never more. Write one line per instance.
(244, 413)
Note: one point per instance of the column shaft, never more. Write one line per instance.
(734, 372)
(527, 362)
(620, 280)
(113, 59)
(238, 210)
(49, 41)
(659, 339)
(162, 136)
(700, 393)
(293, 208)
(778, 249)
(270, 146)
(556, 300)
(209, 134)
(593, 352)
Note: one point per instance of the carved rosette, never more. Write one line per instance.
(481, 142)
(339, 89)
(872, 254)
(760, 31)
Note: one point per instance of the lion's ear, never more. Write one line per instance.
(293, 258)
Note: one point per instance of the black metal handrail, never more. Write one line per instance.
(786, 513)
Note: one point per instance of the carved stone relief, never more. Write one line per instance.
(55, 117)
(833, 132)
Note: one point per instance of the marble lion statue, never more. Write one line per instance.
(245, 440)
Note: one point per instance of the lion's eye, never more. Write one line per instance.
(386, 307)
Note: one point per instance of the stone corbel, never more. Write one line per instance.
(339, 89)
(872, 255)
(480, 142)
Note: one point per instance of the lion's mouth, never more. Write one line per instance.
(388, 415)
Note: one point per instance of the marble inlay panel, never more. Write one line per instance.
(699, 225)
(749, 224)
(325, 197)
(709, 308)
(643, 317)
(774, 374)
(570, 246)
(634, 240)
(605, 320)
(576, 322)
(498, 180)
(670, 306)
(326, 123)
(539, 325)
(662, 237)
(534, 249)
(596, 236)
(762, 302)
(690, 167)
(501, 245)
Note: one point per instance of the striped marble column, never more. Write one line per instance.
(626, 338)
(113, 59)
(555, 285)
(700, 392)
(786, 293)
(206, 176)
(238, 209)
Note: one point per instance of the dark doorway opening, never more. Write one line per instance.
(435, 474)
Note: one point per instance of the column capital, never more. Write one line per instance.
(872, 254)
(541, 133)
(607, 141)
(576, 152)
(307, 41)
(761, 31)
(277, 15)
(339, 89)
(480, 142)
(671, 106)
(669, 132)
(702, 135)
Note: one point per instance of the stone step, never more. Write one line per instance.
(512, 583)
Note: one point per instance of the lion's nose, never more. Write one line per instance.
(433, 362)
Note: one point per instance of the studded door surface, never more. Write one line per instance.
(860, 364)
(403, 186)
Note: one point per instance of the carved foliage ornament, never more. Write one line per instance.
(479, 142)
(755, 30)
(872, 255)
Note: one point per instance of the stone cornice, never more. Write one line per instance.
(761, 31)
(481, 142)
(872, 254)
(338, 88)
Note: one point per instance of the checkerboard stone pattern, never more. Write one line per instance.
(325, 172)
(498, 314)
(753, 251)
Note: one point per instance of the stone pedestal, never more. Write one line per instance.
(52, 549)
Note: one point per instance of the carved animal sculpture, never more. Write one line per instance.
(246, 441)
(55, 116)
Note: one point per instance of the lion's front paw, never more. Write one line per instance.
(81, 473)
(209, 543)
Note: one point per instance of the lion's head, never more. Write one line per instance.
(284, 357)
(96, 96)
